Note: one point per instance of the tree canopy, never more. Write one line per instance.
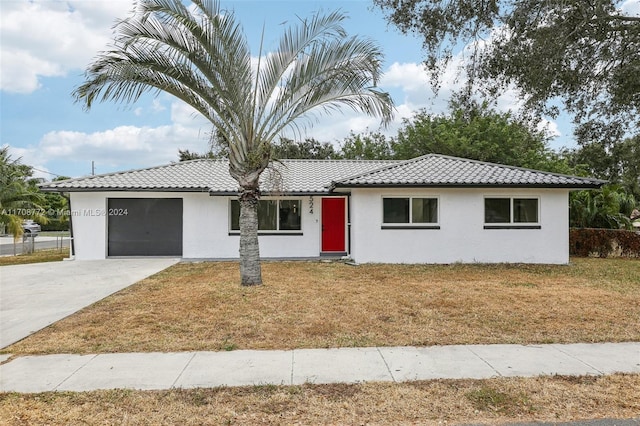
(308, 148)
(367, 146)
(18, 198)
(584, 54)
(609, 207)
(619, 164)
(479, 133)
(474, 131)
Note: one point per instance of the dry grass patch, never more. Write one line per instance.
(313, 305)
(53, 255)
(491, 401)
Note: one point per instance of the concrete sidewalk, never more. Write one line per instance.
(149, 371)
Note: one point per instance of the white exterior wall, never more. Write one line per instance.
(206, 231)
(89, 225)
(461, 237)
(205, 227)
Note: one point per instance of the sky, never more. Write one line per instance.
(45, 46)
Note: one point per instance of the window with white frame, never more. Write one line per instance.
(511, 211)
(273, 215)
(410, 211)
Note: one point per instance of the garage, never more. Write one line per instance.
(144, 226)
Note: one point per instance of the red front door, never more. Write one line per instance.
(333, 224)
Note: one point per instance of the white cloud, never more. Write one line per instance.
(413, 92)
(24, 78)
(137, 146)
(336, 127)
(408, 76)
(410, 83)
(43, 38)
(631, 8)
(25, 156)
(185, 115)
(551, 128)
(123, 146)
(411, 89)
(156, 106)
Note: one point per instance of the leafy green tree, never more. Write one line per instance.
(609, 207)
(200, 55)
(367, 146)
(56, 207)
(478, 133)
(186, 155)
(218, 148)
(618, 164)
(307, 149)
(583, 53)
(18, 199)
(284, 148)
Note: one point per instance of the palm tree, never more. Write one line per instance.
(17, 199)
(609, 207)
(201, 56)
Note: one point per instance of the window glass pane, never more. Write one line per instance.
(525, 210)
(395, 210)
(496, 210)
(267, 215)
(235, 215)
(290, 215)
(424, 210)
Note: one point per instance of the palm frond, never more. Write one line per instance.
(328, 75)
(294, 43)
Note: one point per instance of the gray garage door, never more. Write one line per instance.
(145, 226)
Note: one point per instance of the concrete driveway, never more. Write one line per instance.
(37, 295)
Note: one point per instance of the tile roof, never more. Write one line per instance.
(323, 176)
(435, 170)
(284, 176)
(311, 176)
(196, 175)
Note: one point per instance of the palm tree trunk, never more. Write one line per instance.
(250, 269)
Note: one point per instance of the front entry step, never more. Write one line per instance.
(336, 254)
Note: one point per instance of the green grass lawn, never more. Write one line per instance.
(54, 234)
(47, 255)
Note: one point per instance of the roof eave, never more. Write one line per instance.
(105, 189)
(336, 186)
(275, 193)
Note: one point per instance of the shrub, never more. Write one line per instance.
(604, 242)
(55, 225)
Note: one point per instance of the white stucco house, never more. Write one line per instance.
(431, 209)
